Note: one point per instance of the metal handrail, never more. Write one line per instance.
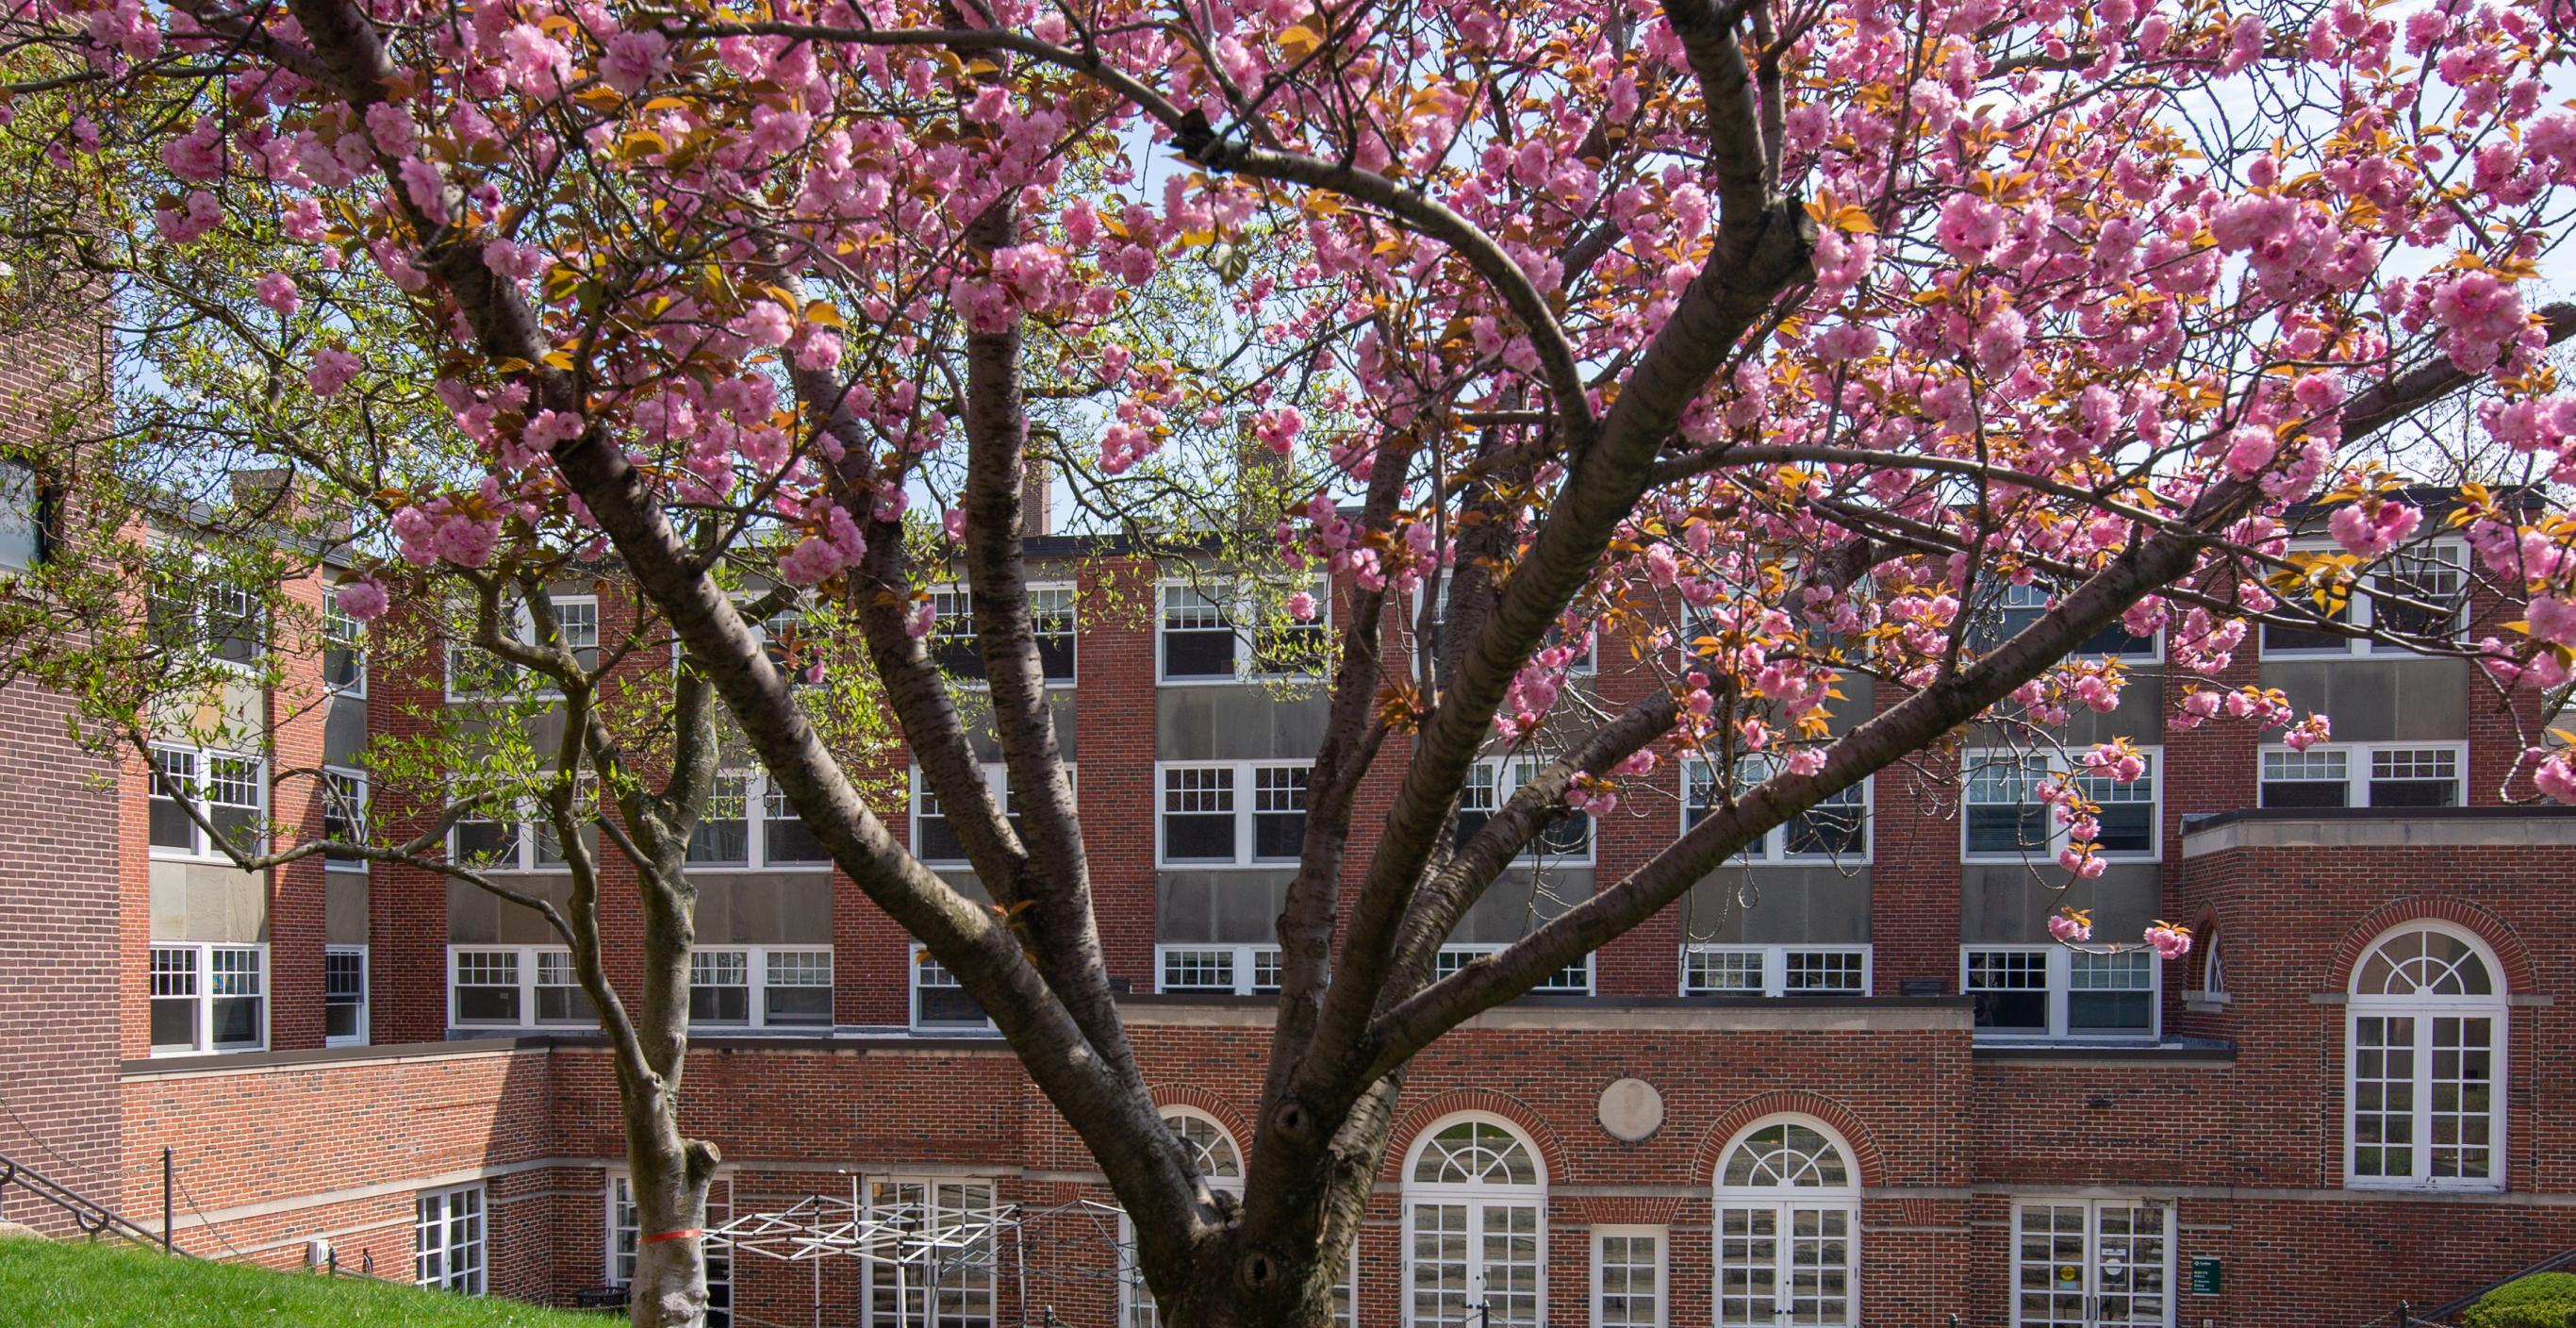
(2407, 1316)
(94, 1219)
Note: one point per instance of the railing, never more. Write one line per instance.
(2407, 1316)
(93, 1218)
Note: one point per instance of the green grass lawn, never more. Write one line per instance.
(81, 1285)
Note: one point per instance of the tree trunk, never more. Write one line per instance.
(669, 1176)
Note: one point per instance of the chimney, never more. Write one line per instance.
(1037, 492)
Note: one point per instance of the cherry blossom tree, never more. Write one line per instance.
(1775, 339)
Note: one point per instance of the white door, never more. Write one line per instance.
(1785, 1264)
(1475, 1264)
(2101, 1263)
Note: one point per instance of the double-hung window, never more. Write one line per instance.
(344, 812)
(1231, 813)
(1239, 970)
(761, 986)
(473, 673)
(229, 789)
(1564, 840)
(209, 997)
(344, 654)
(344, 996)
(521, 986)
(939, 1001)
(2420, 593)
(2044, 991)
(2005, 818)
(2013, 607)
(448, 1226)
(934, 839)
(1214, 631)
(1834, 830)
(190, 606)
(2365, 775)
(1574, 979)
(952, 633)
(1775, 970)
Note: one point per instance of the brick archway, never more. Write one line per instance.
(1711, 1151)
(2487, 927)
(1208, 1104)
(1551, 1150)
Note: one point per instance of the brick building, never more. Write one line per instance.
(1849, 1080)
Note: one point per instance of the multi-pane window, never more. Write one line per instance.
(934, 838)
(1220, 1163)
(1788, 1228)
(1574, 978)
(209, 997)
(1628, 1277)
(1775, 970)
(1240, 970)
(1566, 836)
(499, 837)
(448, 1233)
(190, 607)
(952, 633)
(2425, 1074)
(1236, 813)
(344, 995)
(2014, 607)
(229, 790)
(344, 812)
(344, 655)
(2093, 1263)
(951, 1287)
(1834, 830)
(1475, 1218)
(2003, 815)
(2364, 775)
(761, 987)
(1582, 664)
(939, 1000)
(2055, 992)
(516, 987)
(1210, 633)
(471, 672)
(22, 517)
(2420, 593)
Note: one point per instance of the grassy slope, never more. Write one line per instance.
(80, 1285)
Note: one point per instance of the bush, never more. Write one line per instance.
(2542, 1300)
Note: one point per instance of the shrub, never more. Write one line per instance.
(2542, 1300)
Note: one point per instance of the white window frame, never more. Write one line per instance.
(1775, 963)
(756, 979)
(1782, 1200)
(203, 996)
(1243, 965)
(757, 790)
(197, 597)
(525, 632)
(24, 515)
(439, 1266)
(2051, 766)
(1475, 1198)
(1663, 1291)
(2358, 757)
(342, 631)
(2093, 1209)
(2423, 1010)
(1458, 954)
(525, 979)
(2060, 990)
(921, 965)
(365, 997)
(529, 823)
(1773, 846)
(1510, 773)
(357, 780)
(959, 594)
(981, 1275)
(2033, 599)
(2361, 611)
(997, 782)
(1238, 609)
(1244, 781)
(201, 846)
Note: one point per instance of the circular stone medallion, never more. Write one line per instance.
(1631, 1109)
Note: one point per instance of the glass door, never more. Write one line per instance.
(2102, 1263)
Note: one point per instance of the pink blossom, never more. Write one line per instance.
(635, 59)
(1301, 606)
(923, 616)
(2372, 533)
(2250, 448)
(332, 369)
(2071, 925)
(363, 599)
(277, 291)
(533, 62)
(2169, 941)
(2556, 777)
(953, 521)
(2552, 619)
(765, 323)
(1969, 227)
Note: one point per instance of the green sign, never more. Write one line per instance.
(2204, 1275)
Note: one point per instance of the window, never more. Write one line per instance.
(1231, 814)
(934, 841)
(2420, 592)
(1475, 1218)
(2359, 775)
(791, 649)
(344, 812)
(528, 843)
(2101, 1263)
(189, 606)
(1581, 665)
(1566, 838)
(344, 996)
(2055, 992)
(1213, 1151)
(1240, 970)
(2424, 1069)
(624, 1238)
(1788, 1227)
(450, 1231)
(344, 657)
(939, 1001)
(1574, 978)
(950, 1287)
(2014, 607)
(1628, 1277)
(209, 997)
(1834, 830)
(472, 673)
(952, 633)
(1774, 970)
(1209, 633)
(516, 987)
(229, 789)
(23, 517)
(761, 987)
(2004, 817)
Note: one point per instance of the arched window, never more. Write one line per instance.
(1209, 1146)
(2424, 1064)
(1475, 1224)
(1788, 1227)
(1221, 1161)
